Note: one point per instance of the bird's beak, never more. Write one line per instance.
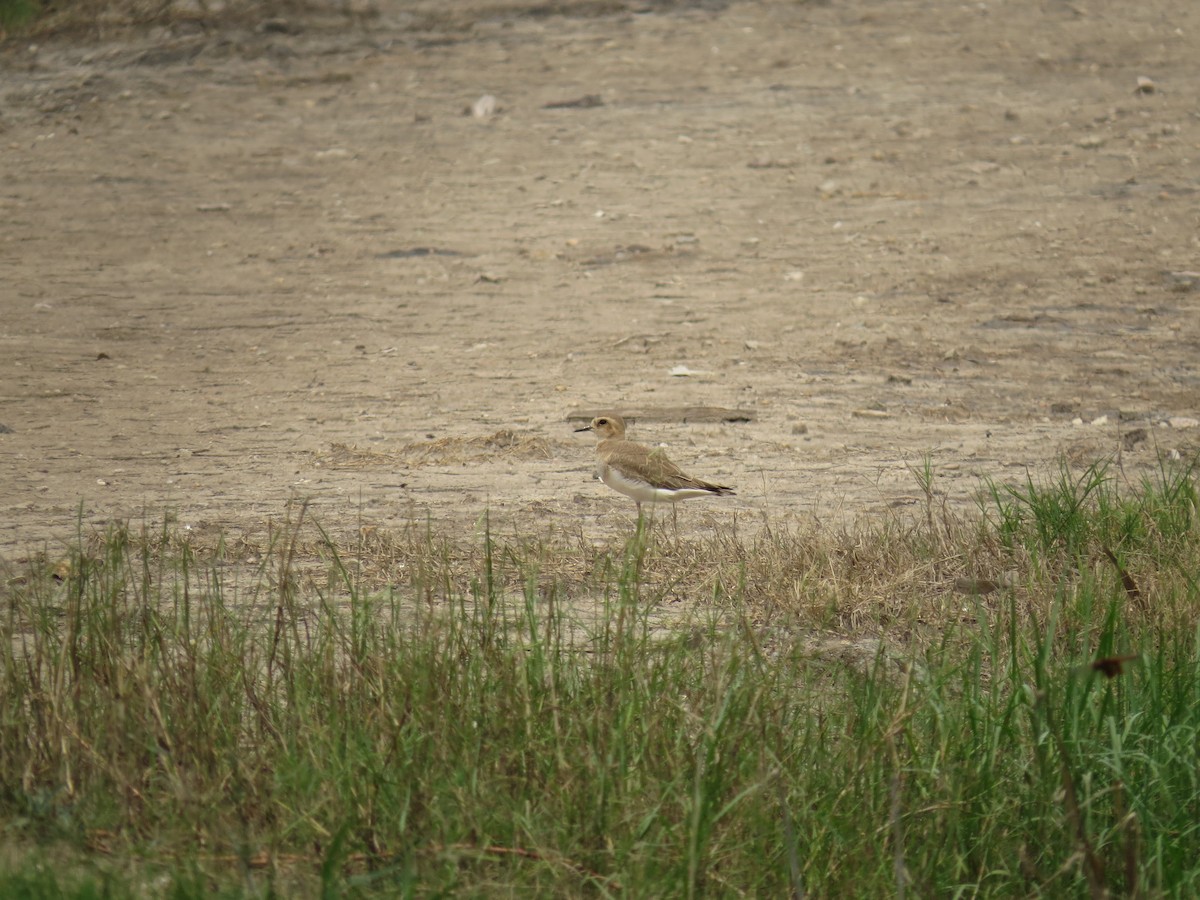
(584, 428)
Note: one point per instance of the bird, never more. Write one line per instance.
(645, 475)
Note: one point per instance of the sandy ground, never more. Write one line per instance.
(242, 267)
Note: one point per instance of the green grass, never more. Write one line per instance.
(669, 716)
(1078, 511)
(15, 13)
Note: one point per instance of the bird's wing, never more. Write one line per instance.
(664, 471)
(670, 476)
(658, 467)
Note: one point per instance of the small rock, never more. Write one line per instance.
(1091, 142)
(485, 107)
(1182, 422)
(1182, 282)
(800, 428)
(4, 429)
(761, 162)
(587, 101)
(1100, 420)
(276, 26)
(1145, 85)
(1131, 439)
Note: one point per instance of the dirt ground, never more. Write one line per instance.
(248, 265)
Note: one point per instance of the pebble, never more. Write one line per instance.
(1132, 438)
(484, 107)
(1181, 422)
(1183, 281)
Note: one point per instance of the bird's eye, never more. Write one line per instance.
(602, 421)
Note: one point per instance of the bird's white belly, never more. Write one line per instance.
(642, 491)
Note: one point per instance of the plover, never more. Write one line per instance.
(639, 472)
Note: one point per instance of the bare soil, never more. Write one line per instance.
(246, 265)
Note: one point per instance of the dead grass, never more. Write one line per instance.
(107, 16)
